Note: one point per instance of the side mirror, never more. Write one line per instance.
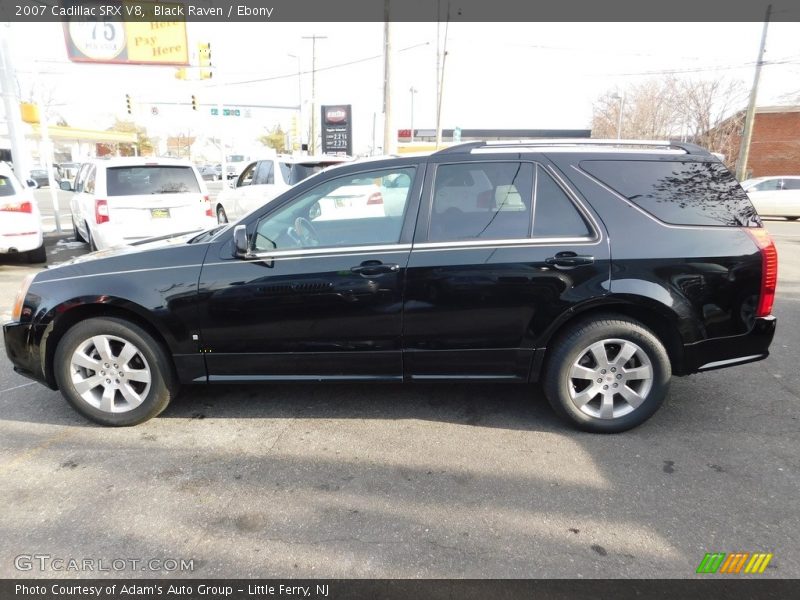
(232, 182)
(66, 186)
(240, 244)
(31, 183)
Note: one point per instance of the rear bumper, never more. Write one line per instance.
(20, 243)
(719, 353)
(23, 350)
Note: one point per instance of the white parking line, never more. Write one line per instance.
(18, 387)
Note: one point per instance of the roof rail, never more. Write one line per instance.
(469, 146)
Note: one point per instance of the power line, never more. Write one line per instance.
(328, 68)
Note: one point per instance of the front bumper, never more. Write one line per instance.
(22, 349)
(719, 353)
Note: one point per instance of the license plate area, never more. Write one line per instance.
(159, 213)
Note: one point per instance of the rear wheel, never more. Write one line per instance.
(113, 372)
(221, 216)
(607, 375)
(90, 241)
(76, 234)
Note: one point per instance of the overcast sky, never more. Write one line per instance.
(518, 75)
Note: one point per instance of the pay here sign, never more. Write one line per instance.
(93, 34)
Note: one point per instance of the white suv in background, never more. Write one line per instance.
(777, 196)
(123, 200)
(264, 179)
(20, 222)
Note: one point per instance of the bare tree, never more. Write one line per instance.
(700, 111)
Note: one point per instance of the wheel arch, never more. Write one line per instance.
(65, 319)
(656, 317)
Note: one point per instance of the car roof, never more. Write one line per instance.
(139, 161)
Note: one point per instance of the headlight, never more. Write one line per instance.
(19, 300)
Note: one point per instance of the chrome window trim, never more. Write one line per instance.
(517, 243)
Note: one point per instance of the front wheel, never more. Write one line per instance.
(607, 375)
(113, 372)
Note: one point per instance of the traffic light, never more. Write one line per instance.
(204, 60)
(194, 102)
(128, 104)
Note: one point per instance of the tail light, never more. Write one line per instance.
(25, 207)
(101, 211)
(375, 198)
(769, 270)
(209, 211)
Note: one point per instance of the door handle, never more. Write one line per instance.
(374, 267)
(569, 260)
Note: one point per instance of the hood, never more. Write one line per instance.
(157, 243)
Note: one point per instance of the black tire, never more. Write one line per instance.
(90, 241)
(222, 217)
(38, 255)
(151, 357)
(75, 233)
(572, 345)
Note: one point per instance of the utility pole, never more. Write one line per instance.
(46, 149)
(441, 58)
(13, 118)
(388, 137)
(299, 101)
(413, 91)
(747, 135)
(313, 141)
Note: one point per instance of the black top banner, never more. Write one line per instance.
(396, 589)
(254, 11)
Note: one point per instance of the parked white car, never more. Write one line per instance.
(264, 179)
(775, 196)
(124, 200)
(20, 221)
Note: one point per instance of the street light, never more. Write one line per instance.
(616, 96)
(413, 91)
(299, 100)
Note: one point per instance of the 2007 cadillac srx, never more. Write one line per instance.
(599, 269)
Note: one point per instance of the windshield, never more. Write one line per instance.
(236, 158)
(147, 180)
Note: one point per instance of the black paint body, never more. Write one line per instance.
(464, 310)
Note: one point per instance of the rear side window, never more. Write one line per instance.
(6, 187)
(145, 180)
(678, 192)
(482, 201)
(791, 184)
(555, 214)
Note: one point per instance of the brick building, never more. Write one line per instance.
(775, 145)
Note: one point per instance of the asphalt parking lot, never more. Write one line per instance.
(427, 480)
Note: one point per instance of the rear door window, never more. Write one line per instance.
(678, 192)
(151, 179)
(486, 201)
(556, 215)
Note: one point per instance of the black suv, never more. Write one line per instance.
(600, 269)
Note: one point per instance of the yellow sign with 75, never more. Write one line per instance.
(133, 34)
